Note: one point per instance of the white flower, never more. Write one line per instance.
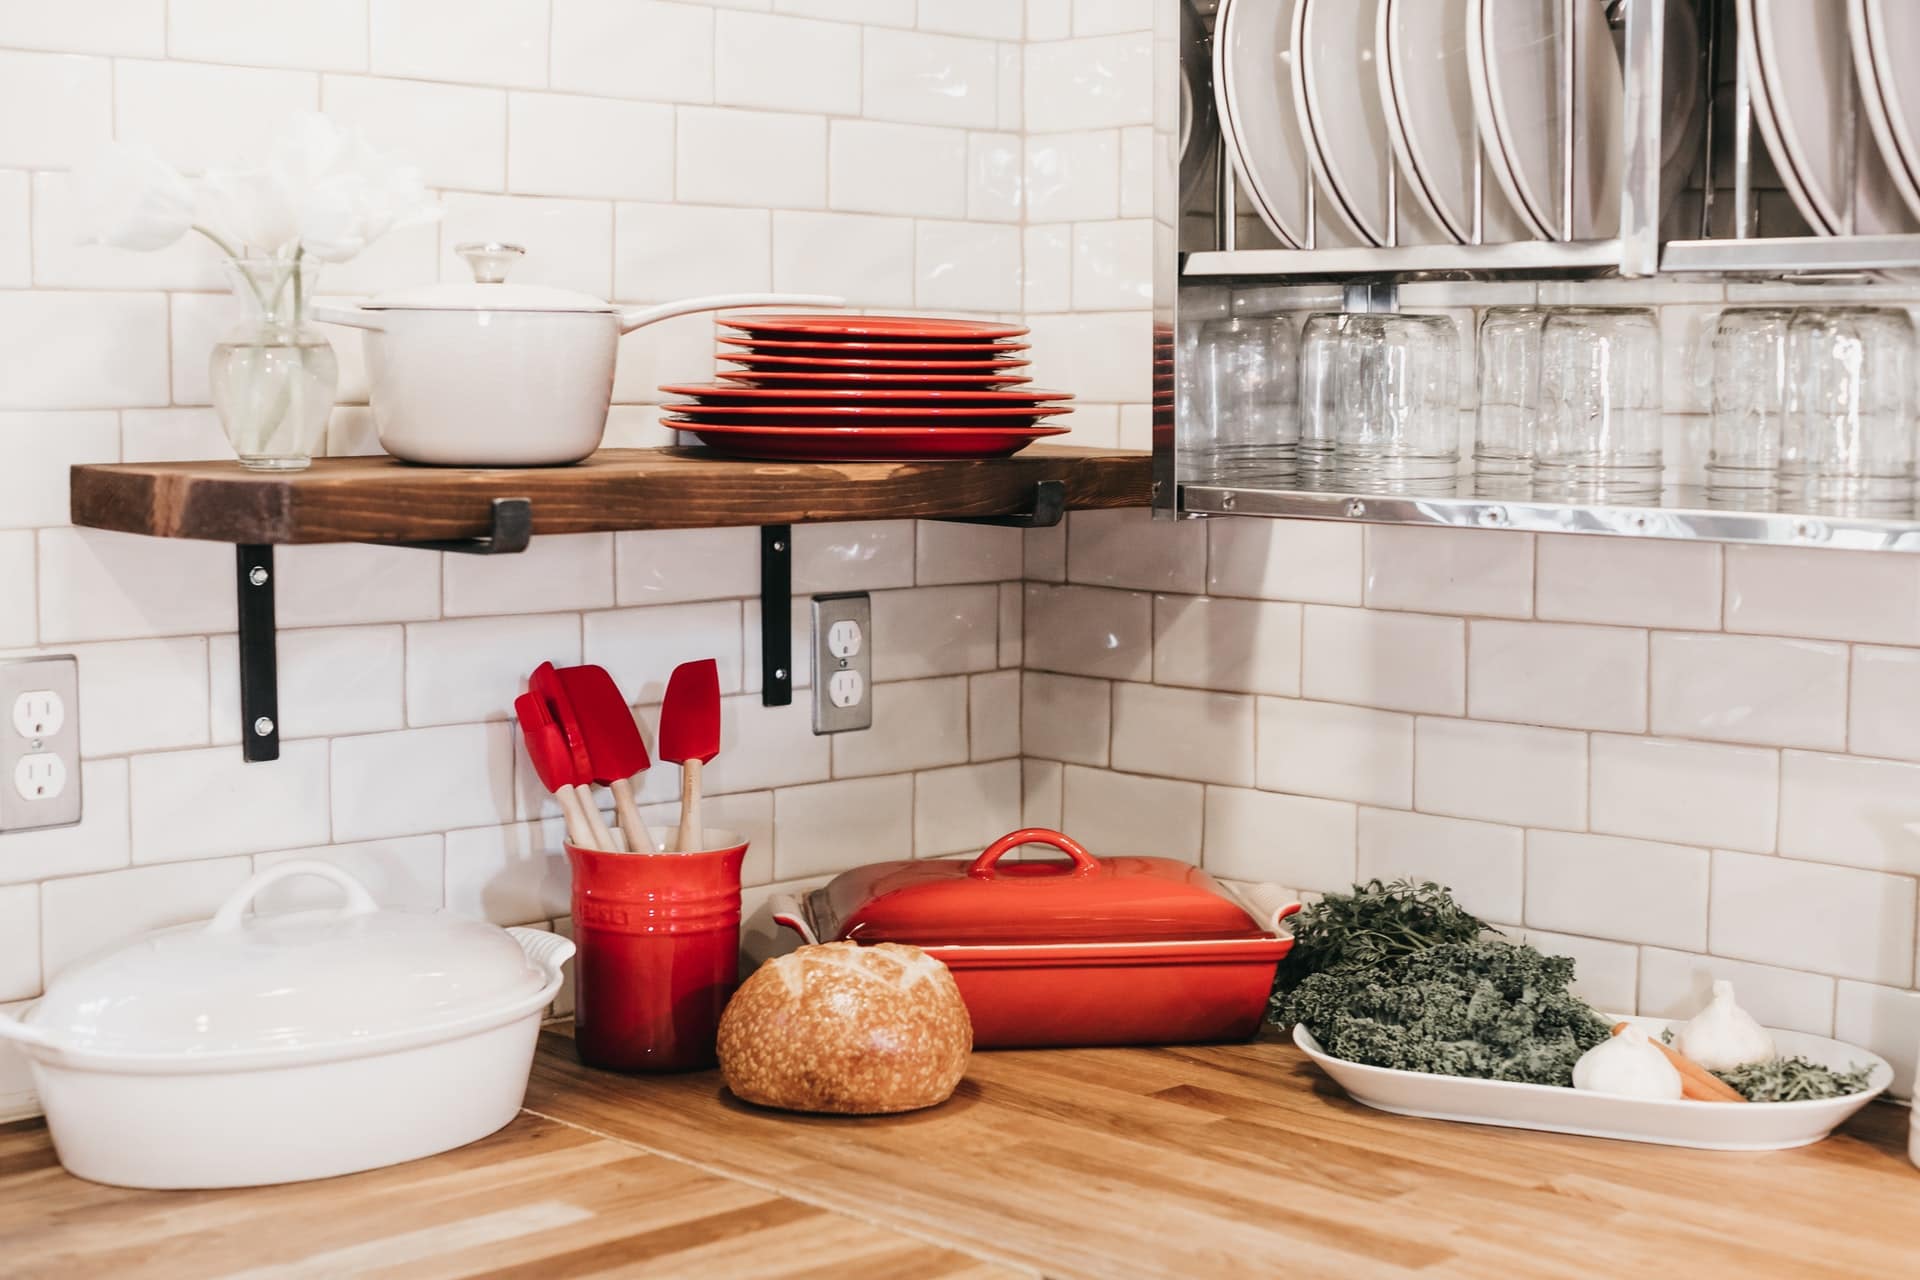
(129, 198)
(250, 210)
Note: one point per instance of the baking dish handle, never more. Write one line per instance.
(359, 901)
(12, 1028)
(546, 949)
(1268, 904)
(789, 910)
(1084, 863)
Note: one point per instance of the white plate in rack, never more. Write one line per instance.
(1886, 40)
(1715, 1126)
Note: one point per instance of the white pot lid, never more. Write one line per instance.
(291, 980)
(488, 290)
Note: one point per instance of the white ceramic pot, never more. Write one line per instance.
(277, 1048)
(491, 374)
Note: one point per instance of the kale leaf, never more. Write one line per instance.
(1794, 1079)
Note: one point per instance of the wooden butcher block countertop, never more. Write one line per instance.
(1232, 1160)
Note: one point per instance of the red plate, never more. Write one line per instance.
(884, 328)
(886, 350)
(802, 380)
(869, 444)
(711, 393)
(879, 414)
(939, 368)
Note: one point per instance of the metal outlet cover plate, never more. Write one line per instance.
(59, 674)
(842, 662)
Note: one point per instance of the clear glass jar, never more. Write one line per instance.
(1397, 392)
(1749, 405)
(1248, 388)
(1599, 431)
(274, 374)
(1848, 444)
(1509, 377)
(1320, 352)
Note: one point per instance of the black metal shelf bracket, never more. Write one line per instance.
(776, 615)
(509, 533)
(1049, 508)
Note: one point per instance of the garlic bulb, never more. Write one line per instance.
(1627, 1064)
(1723, 1036)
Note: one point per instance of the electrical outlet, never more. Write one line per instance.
(842, 662)
(39, 743)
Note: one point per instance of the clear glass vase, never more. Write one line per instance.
(274, 374)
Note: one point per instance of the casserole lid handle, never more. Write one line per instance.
(1084, 863)
(359, 902)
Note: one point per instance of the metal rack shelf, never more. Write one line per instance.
(1531, 258)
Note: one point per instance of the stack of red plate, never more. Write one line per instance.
(1163, 375)
(867, 387)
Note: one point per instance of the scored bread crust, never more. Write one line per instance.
(845, 1028)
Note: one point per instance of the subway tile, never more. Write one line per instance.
(1079, 352)
(173, 435)
(1884, 1021)
(198, 804)
(1004, 19)
(406, 874)
(1047, 279)
(136, 28)
(397, 784)
(1786, 693)
(96, 585)
(1237, 646)
(865, 259)
(83, 350)
(917, 724)
(18, 611)
(742, 816)
(836, 826)
(1113, 264)
(1315, 561)
(928, 79)
(81, 915)
(1073, 177)
(885, 13)
(1089, 631)
(993, 715)
(1137, 169)
(60, 261)
(1041, 783)
(1298, 842)
(676, 350)
(994, 176)
(56, 109)
(1690, 792)
(1678, 984)
(671, 566)
(1554, 674)
(508, 875)
(39, 448)
(1049, 19)
(99, 842)
(569, 243)
(799, 644)
(966, 266)
(1837, 920)
(1629, 581)
(865, 555)
(1096, 83)
(503, 42)
(641, 647)
(1104, 17)
(1883, 714)
(1450, 571)
(1128, 548)
(341, 583)
(203, 117)
(313, 33)
(1501, 772)
(1395, 661)
(455, 134)
(142, 695)
(403, 256)
(1183, 733)
(964, 809)
(573, 571)
(1343, 753)
(19, 942)
(1604, 973)
(668, 251)
(788, 64)
(1065, 717)
(1119, 813)
(753, 158)
(333, 681)
(935, 631)
(1849, 810)
(1481, 862)
(471, 669)
(633, 49)
(1789, 591)
(1629, 890)
(945, 551)
(16, 221)
(760, 747)
(1045, 552)
(196, 321)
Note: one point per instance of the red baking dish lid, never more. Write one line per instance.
(936, 902)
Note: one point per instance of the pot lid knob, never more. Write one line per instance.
(490, 260)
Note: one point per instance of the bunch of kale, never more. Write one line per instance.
(1399, 975)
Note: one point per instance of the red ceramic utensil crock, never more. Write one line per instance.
(613, 743)
(690, 736)
(659, 954)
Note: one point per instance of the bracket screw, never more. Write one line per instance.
(263, 726)
(779, 673)
(257, 576)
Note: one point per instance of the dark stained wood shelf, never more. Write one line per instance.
(381, 500)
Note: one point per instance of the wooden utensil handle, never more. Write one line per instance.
(595, 819)
(693, 836)
(639, 839)
(579, 832)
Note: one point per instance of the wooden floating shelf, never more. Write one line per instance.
(381, 500)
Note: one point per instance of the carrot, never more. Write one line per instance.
(1696, 1082)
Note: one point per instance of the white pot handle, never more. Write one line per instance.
(353, 317)
(227, 919)
(11, 1028)
(632, 318)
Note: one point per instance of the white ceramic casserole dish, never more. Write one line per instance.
(277, 1048)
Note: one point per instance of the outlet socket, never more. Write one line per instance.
(842, 662)
(39, 743)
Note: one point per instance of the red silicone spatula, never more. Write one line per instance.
(547, 748)
(613, 744)
(545, 683)
(690, 736)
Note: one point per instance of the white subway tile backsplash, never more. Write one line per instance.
(1630, 890)
(666, 251)
(418, 780)
(198, 320)
(502, 42)
(1501, 773)
(935, 631)
(471, 669)
(1137, 149)
(98, 843)
(1045, 552)
(1345, 753)
(1307, 560)
(328, 34)
(142, 695)
(1629, 581)
(995, 172)
(1692, 792)
(1077, 353)
(1122, 813)
(1849, 810)
(1883, 713)
(19, 942)
(760, 747)
(1395, 661)
(946, 551)
(137, 28)
(83, 350)
(557, 146)
(406, 874)
(96, 585)
(754, 158)
(1010, 109)
(1128, 548)
(966, 266)
(199, 804)
(16, 239)
(886, 13)
(1049, 19)
(1449, 571)
(1771, 692)
(633, 49)
(38, 448)
(1089, 631)
(861, 556)
(1003, 19)
(1073, 177)
(1096, 83)
(1677, 984)
(993, 715)
(865, 259)
(56, 109)
(571, 571)
(199, 116)
(1483, 863)
(1041, 784)
(641, 647)
(59, 260)
(1553, 674)
(569, 243)
(676, 350)
(834, 826)
(1295, 841)
(1788, 591)
(1238, 646)
(917, 724)
(787, 64)
(173, 435)
(1113, 264)
(1883, 1020)
(929, 79)
(18, 611)
(513, 874)
(80, 915)
(964, 809)
(344, 583)
(1104, 17)
(1604, 973)
(333, 680)
(1837, 920)
(1183, 733)
(1047, 270)
(1065, 718)
(671, 566)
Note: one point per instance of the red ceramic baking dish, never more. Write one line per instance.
(1086, 951)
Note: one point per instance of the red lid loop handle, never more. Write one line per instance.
(1083, 862)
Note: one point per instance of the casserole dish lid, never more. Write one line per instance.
(490, 260)
(288, 980)
(991, 902)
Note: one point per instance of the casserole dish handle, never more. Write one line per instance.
(548, 950)
(352, 317)
(1268, 904)
(359, 901)
(790, 910)
(44, 1046)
